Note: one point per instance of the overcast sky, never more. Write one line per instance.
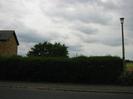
(87, 27)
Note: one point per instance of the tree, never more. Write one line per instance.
(49, 49)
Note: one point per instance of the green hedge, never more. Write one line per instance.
(79, 69)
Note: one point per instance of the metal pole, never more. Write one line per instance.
(123, 47)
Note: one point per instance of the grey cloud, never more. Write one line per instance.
(75, 48)
(125, 10)
(113, 41)
(78, 1)
(85, 38)
(105, 40)
(30, 37)
(85, 17)
(11, 12)
(86, 29)
(108, 5)
(126, 7)
(12, 9)
(80, 13)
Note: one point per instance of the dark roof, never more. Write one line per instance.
(6, 34)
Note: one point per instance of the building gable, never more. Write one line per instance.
(8, 43)
(7, 34)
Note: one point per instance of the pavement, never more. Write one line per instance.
(68, 87)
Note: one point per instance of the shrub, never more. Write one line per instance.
(126, 78)
(79, 70)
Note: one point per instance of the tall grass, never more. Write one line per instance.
(129, 67)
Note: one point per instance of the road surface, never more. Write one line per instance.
(23, 93)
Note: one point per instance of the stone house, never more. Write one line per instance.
(8, 43)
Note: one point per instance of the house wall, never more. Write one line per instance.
(9, 47)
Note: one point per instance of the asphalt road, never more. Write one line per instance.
(23, 93)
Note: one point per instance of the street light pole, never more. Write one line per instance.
(123, 47)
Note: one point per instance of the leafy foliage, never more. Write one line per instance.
(82, 70)
(126, 78)
(49, 49)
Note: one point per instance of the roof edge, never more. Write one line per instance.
(15, 36)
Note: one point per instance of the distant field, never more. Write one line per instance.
(130, 67)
